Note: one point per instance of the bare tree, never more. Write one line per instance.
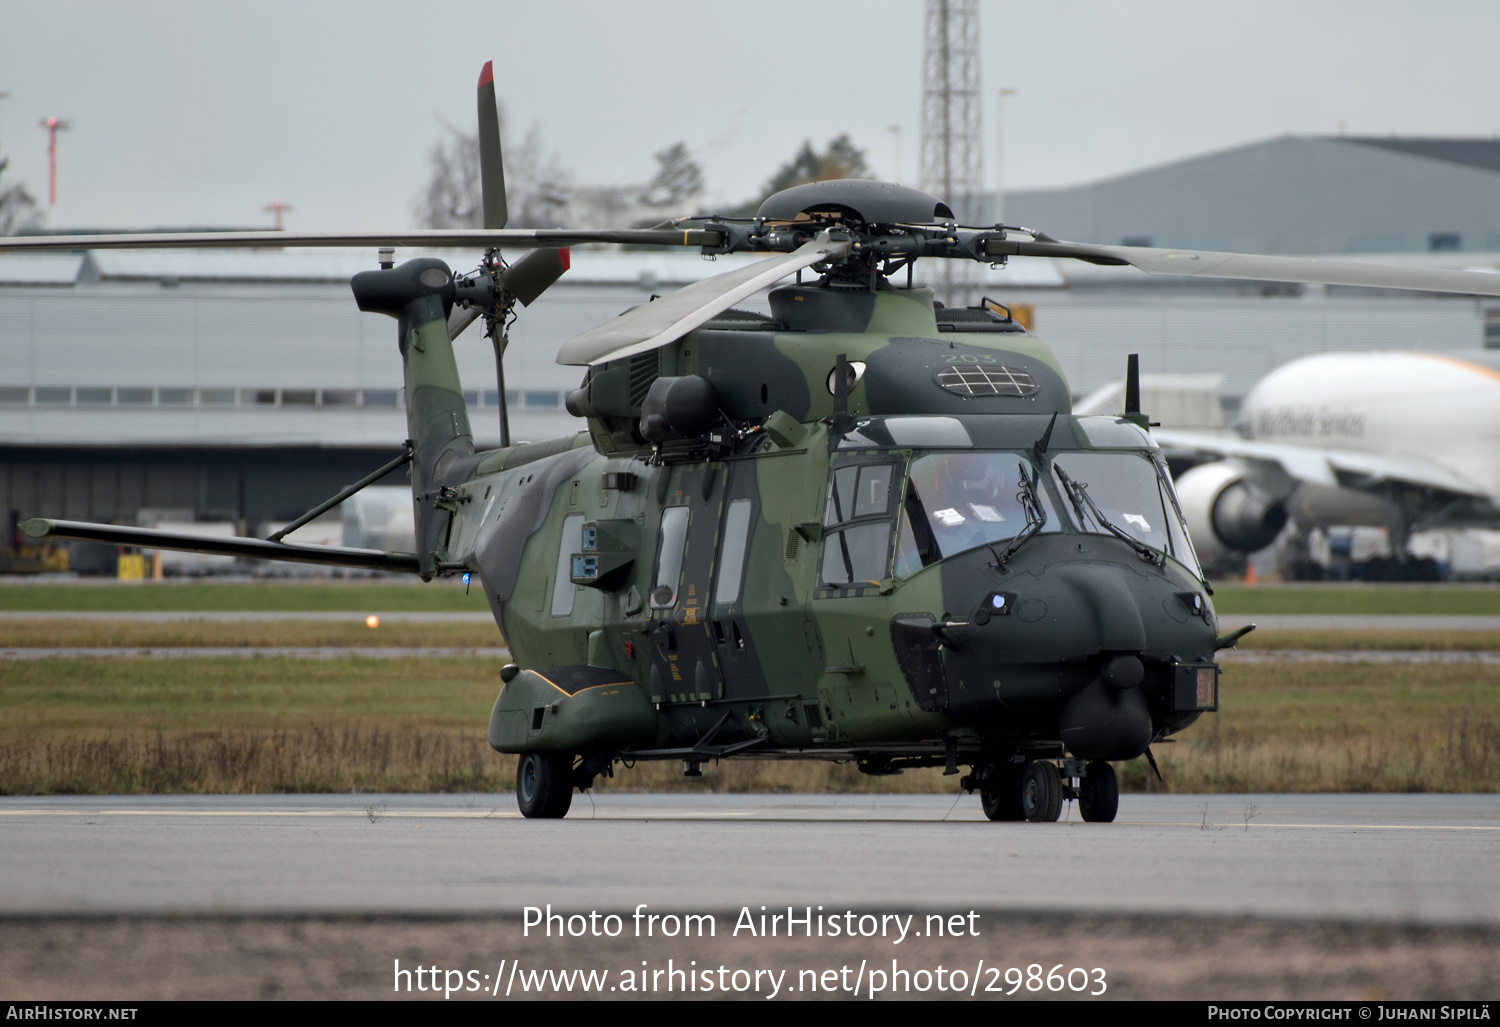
(537, 184)
(18, 210)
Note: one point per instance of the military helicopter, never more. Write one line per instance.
(864, 527)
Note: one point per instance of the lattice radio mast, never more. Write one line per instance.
(952, 152)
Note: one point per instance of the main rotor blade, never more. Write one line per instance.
(491, 161)
(1260, 268)
(424, 238)
(655, 324)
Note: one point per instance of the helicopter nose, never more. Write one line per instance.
(1109, 719)
(1103, 722)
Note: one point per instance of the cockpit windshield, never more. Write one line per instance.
(957, 501)
(1123, 493)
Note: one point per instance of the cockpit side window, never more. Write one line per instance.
(857, 525)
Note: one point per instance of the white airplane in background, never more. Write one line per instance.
(1404, 440)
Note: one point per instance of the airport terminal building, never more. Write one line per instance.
(245, 386)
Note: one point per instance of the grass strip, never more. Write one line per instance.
(107, 634)
(1409, 641)
(441, 596)
(55, 632)
(278, 725)
(449, 595)
(1360, 599)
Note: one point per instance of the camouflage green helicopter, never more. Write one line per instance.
(861, 528)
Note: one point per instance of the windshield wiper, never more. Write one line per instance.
(1036, 516)
(1078, 493)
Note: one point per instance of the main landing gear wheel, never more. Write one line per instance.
(1099, 793)
(1000, 795)
(544, 784)
(1041, 793)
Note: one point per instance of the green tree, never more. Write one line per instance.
(840, 159)
(678, 178)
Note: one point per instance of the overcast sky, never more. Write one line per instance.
(199, 113)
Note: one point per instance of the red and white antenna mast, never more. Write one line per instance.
(276, 207)
(52, 125)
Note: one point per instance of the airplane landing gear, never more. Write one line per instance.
(544, 784)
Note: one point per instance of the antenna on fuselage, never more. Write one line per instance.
(1039, 448)
(1133, 392)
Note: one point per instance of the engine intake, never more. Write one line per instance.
(1226, 512)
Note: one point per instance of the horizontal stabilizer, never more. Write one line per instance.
(252, 548)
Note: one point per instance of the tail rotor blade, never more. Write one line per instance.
(491, 162)
(459, 319)
(531, 276)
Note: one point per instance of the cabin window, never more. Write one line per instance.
(563, 589)
(732, 552)
(857, 519)
(671, 543)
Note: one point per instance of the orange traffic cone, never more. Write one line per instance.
(1250, 574)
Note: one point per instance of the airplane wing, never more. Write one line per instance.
(1317, 466)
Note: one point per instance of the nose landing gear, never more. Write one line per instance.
(1035, 790)
(1041, 792)
(1099, 793)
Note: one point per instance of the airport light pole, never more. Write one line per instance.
(277, 207)
(53, 125)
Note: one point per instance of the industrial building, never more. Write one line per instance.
(1291, 194)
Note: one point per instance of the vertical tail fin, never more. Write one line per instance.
(419, 294)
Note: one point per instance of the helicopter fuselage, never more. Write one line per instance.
(924, 566)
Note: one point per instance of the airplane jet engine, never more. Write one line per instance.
(1226, 513)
